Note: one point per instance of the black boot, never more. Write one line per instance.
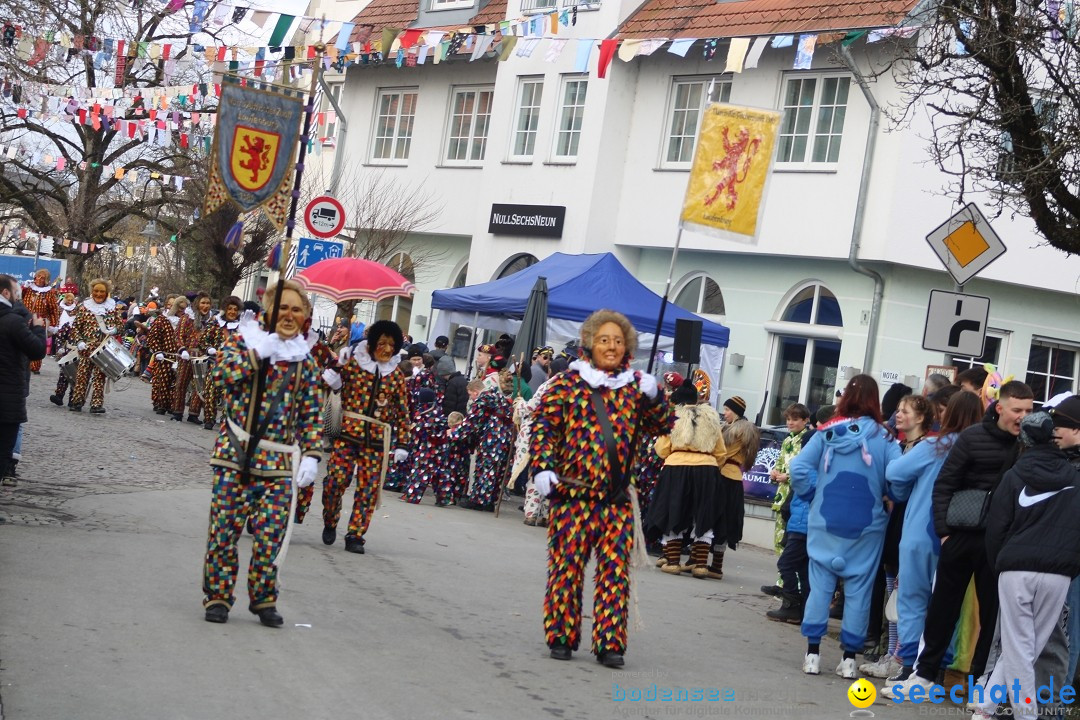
(269, 616)
(329, 535)
(610, 658)
(217, 614)
(354, 544)
(56, 400)
(790, 612)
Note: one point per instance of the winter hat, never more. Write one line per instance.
(425, 396)
(673, 379)
(1066, 413)
(415, 351)
(1037, 429)
(736, 404)
(684, 395)
(486, 349)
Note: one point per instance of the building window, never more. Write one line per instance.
(687, 101)
(813, 123)
(571, 113)
(450, 4)
(991, 354)
(530, 91)
(805, 368)
(1051, 369)
(701, 295)
(470, 117)
(395, 114)
(516, 264)
(331, 125)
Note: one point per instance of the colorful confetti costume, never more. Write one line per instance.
(189, 335)
(291, 409)
(416, 383)
(87, 330)
(215, 335)
(536, 507)
(789, 448)
(376, 390)
(456, 470)
(585, 514)
(846, 526)
(60, 344)
(428, 457)
(324, 357)
(162, 338)
(45, 303)
(489, 430)
(646, 472)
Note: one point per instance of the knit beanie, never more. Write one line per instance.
(737, 405)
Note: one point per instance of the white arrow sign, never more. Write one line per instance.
(956, 323)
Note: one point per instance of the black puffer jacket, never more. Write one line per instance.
(1032, 521)
(456, 394)
(19, 344)
(977, 461)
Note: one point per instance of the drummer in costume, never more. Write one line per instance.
(60, 345)
(580, 448)
(372, 388)
(41, 299)
(163, 340)
(217, 332)
(96, 319)
(260, 489)
(192, 324)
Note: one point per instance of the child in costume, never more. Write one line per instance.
(457, 458)
(489, 430)
(429, 450)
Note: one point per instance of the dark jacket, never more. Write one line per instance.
(456, 393)
(19, 344)
(444, 364)
(978, 459)
(1032, 520)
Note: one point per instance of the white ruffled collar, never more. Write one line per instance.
(67, 307)
(294, 349)
(360, 355)
(173, 320)
(99, 308)
(227, 325)
(189, 312)
(39, 288)
(598, 378)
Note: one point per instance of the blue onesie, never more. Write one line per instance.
(846, 528)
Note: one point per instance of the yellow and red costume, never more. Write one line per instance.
(93, 323)
(45, 303)
(162, 338)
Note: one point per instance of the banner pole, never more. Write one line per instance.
(264, 365)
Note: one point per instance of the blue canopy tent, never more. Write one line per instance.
(577, 285)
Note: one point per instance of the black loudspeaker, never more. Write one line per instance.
(688, 341)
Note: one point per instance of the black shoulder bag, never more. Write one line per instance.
(968, 509)
(618, 483)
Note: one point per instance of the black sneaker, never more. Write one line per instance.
(610, 658)
(208, 425)
(561, 652)
(194, 419)
(772, 590)
(178, 417)
(97, 411)
(56, 400)
(904, 674)
(329, 535)
(75, 408)
(217, 614)
(354, 544)
(269, 616)
(160, 411)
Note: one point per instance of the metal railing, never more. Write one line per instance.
(541, 6)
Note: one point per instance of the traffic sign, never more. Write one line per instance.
(966, 243)
(324, 217)
(956, 323)
(311, 250)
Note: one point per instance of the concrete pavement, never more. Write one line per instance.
(100, 616)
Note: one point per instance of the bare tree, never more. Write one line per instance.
(1000, 82)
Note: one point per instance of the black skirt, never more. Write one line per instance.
(686, 498)
(730, 532)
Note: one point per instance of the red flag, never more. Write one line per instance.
(607, 53)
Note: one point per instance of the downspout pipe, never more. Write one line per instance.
(860, 210)
(342, 132)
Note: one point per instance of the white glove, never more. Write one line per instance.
(415, 371)
(185, 355)
(159, 356)
(211, 351)
(309, 468)
(400, 455)
(545, 481)
(52, 329)
(647, 384)
(248, 316)
(82, 346)
(332, 378)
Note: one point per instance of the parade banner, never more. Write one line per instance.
(254, 151)
(726, 190)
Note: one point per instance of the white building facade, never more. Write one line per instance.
(615, 153)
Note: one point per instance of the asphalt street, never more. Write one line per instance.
(101, 553)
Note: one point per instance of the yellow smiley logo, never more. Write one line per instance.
(861, 693)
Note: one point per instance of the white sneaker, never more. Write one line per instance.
(846, 669)
(980, 715)
(907, 685)
(811, 664)
(886, 667)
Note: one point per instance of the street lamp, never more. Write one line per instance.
(150, 232)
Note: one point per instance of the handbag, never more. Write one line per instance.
(968, 510)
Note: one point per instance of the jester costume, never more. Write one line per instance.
(289, 424)
(374, 417)
(646, 472)
(589, 511)
(45, 303)
(488, 429)
(162, 338)
(189, 335)
(216, 334)
(93, 323)
(60, 347)
(325, 358)
(846, 525)
(428, 455)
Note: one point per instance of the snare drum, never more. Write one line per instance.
(69, 365)
(112, 358)
(200, 371)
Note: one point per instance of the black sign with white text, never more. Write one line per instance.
(532, 220)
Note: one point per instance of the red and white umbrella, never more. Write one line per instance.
(343, 279)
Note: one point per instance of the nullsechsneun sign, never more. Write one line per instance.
(530, 220)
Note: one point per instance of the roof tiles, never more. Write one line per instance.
(493, 13)
(748, 18)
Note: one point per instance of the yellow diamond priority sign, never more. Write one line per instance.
(966, 243)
